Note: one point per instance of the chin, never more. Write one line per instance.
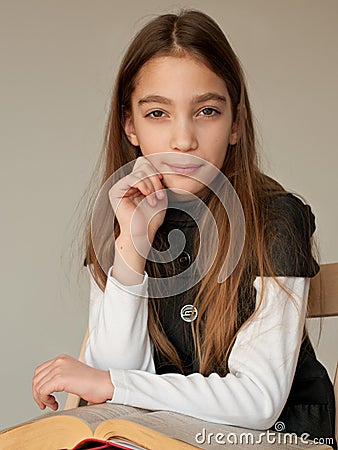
(181, 184)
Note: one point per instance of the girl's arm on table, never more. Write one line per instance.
(262, 364)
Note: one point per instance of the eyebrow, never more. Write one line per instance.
(196, 99)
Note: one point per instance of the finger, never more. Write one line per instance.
(156, 189)
(46, 387)
(51, 403)
(154, 174)
(43, 370)
(151, 169)
(158, 186)
(46, 372)
(145, 191)
(144, 179)
(134, 183)
(48, 367)
(130, 186)
(41, 367)
(154, 180)
(127, 187)
(146, 186)
(36, 383)
(38, 400)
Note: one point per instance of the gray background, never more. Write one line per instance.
(58, 63)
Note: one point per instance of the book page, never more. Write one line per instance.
(62, 429)
(93, 415)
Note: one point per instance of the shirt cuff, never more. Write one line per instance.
(117, 377)
(136, 289)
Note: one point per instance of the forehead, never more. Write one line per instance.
(177, 75)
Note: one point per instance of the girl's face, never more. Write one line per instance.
(180, 106)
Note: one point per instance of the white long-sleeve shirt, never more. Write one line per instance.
(261, 363)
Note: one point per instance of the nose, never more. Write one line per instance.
(183, 136)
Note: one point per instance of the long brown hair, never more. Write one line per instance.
(191, 32)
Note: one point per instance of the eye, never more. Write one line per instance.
(155, 114)
(210, 112)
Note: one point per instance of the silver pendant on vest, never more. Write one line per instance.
(189, 313)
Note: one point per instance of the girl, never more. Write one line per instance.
(232, 350)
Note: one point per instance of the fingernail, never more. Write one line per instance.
(151, 200)
(160, 195)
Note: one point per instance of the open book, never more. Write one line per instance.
(144, 429)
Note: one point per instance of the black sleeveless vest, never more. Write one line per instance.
(310, 407)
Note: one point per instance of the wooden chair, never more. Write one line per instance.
(325, 282)
(73, 400)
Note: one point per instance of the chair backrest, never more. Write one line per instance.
(324, 286)
(73, 400)
(324, 283)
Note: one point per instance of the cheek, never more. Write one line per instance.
(151, 147)
(215, 135)
(150, 140)
(217, 152)
(221, 146)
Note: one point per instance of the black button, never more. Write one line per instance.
(184, 259)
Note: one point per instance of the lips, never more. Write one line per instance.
(184, 168)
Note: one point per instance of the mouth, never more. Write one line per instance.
(184, 169)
